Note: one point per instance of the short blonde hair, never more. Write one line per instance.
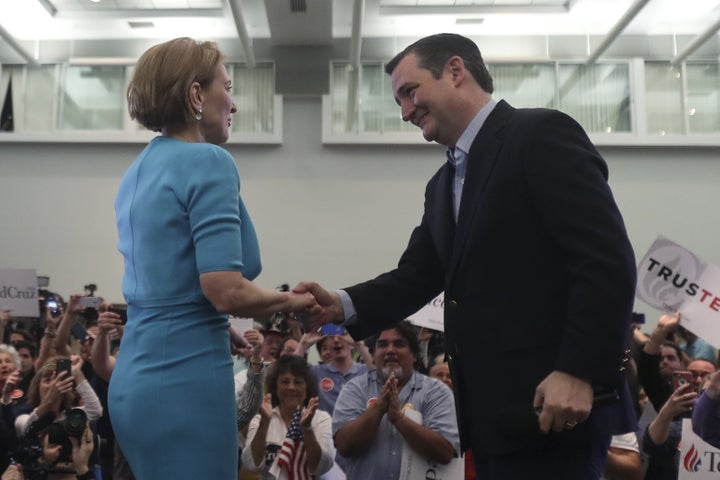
(158, 92)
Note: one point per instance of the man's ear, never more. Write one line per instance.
(456, 68)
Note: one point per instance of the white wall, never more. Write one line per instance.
(334, 214)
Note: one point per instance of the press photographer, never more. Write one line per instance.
(56, 389)
(54, 450)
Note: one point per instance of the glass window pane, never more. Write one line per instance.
(380, 112)
(93, 98)
(12, 122)
(254, 95)
(703, 101)
(376, 107)
(339, 82)
(663, 92)
(38, 105)
(524, 85)
(597, 96)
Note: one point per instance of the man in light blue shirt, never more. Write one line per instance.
(373, 417)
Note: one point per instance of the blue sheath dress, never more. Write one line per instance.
(171, 398)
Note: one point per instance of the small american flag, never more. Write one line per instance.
(292, 454)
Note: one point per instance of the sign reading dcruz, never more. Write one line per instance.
(18, 292)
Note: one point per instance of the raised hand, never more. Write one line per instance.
(266, 407)
(309, 412)
(394, 413)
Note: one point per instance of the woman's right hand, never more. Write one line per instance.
(302, 301)
(266, 408)
(59, 386)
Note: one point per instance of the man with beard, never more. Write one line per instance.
(373, 417)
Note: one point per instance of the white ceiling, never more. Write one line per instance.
(109, 19)
(26, 24)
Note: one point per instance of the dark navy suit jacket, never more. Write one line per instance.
(538, 275)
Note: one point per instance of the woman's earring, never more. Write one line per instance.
(198, 115)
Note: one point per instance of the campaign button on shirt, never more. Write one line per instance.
(327, 384)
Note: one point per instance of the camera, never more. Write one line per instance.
(90, 305)
(29, 449)
(75, 422)
(90, 302)
(59, 433)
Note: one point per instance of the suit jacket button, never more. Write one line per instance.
(452, 304)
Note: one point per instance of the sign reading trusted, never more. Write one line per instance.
(671, 278)
(18, 292)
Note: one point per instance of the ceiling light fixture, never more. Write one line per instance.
(469, 21)
(141, 24)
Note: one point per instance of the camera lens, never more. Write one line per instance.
(75, 421)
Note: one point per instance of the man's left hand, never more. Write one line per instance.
(565, 401)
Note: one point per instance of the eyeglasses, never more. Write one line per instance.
(703, 375)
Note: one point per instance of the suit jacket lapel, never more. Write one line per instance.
(443, 226)
(482, 158)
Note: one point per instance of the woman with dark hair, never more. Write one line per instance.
(289, 415)
(191, 255)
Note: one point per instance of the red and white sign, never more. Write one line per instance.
(698, 459)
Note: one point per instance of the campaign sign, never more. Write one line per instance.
(416, 467)
(431, 315)
(671, 278)
(18, 292)
(698, 459)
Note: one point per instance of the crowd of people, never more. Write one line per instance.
(355, 405)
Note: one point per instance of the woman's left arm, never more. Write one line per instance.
(317, 436)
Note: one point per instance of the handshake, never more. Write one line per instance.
(314, 306)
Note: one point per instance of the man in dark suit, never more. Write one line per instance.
(522, 233)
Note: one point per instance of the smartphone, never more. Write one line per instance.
(120, 311)
(63, 365)
(681, 378)
(79, 332)
(52, 305)
(332, 329)
(90, 302)
(638, 318)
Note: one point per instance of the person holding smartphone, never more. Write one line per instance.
(54, 390)
(664, 433)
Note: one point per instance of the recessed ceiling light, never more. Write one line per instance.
(469, 21)
(141, 24)
(96, 1)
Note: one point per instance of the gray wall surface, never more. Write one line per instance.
(336, 214)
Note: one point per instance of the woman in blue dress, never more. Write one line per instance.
(190, 254)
